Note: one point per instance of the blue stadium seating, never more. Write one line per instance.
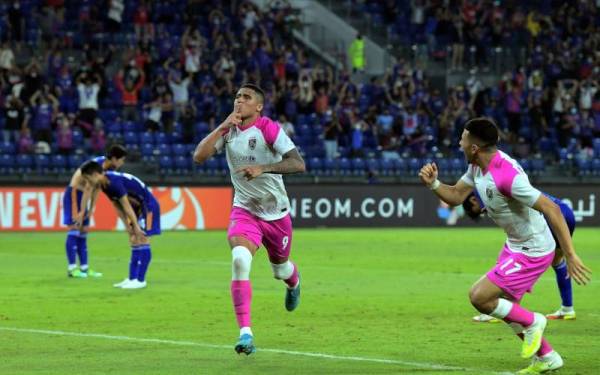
(165, 164)
(7, 163)
(24, 163)
(358, 166)
(58, 163)
(315, 165)
(147, 138)
(179, 150)
(74, 161)
(183, 164)
(42, 163)
(344, 166)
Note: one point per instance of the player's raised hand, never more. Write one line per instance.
(577, 270)
(234, 119)
(250, 171)
(428, 173)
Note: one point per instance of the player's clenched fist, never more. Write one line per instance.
(428, 173)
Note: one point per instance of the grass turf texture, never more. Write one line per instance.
(397, 294)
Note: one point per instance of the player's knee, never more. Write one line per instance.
(283, 271)
(477, 298)
(241, 262)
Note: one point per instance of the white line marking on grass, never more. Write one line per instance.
(422, 365)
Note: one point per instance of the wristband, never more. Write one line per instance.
(435, 184)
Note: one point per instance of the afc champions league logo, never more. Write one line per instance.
(179, 208)
(252, 143)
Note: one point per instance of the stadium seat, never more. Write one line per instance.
(24, 163)
(165, 164)
(358, 166)
(164, 149)
(400, 167)
(183, 164)
(595, 167)
(537, 166)
(8, 148)
(315, 166)
(130, 137)
(387, 167)
(414, 166)
(212, 166)
(147, 149)
(147, 138)
(373, 165)
(74, 161)
(330, 166)
(162, 138)
(7, 163)
(42, 163)
(584, 167)
(179, 150)
(344, 166)
(58, 163)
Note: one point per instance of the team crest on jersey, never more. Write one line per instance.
(252, 143)
(489, 193)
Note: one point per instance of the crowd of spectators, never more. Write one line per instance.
(172, 67)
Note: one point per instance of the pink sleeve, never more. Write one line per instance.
(504, 176)
(270, 130)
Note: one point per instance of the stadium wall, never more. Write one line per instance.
(199, 208)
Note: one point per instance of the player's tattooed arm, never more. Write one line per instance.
(292, 162)
(207, 147)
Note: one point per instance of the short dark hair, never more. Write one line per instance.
(90, 167)
(256, 89)
(468, 208)
(484, 129)
(116, 151)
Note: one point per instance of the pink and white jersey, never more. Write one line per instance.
(508, 196)
(260, 143)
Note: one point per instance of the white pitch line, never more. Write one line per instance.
(422, 365)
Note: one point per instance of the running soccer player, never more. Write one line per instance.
(76, 213)
(519, 209)
(138, 209)
(474, 207)
(258, 153)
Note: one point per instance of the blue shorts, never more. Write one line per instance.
(567, 213)
(72, 205)
(149, 219)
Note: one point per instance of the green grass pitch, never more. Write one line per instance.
(397, 295)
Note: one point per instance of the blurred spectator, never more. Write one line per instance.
(154, 115)
(25, 141)
(7, 58)
(16, 21)
(115, 15)
(144, 29)
(64, 135)
(191, 44)
(179, 88)
(333, 130)
(188, 121)
(98, 138)
(16, 118)
(287, 126)
(44, 107)
(88, 88)
(130, 90)
(357, 54)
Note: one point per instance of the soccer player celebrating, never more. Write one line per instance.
(474, 207)
(258, 153)
(76, 214)
(519, 209)
(138, 209)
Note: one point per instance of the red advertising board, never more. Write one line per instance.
(182, 208)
